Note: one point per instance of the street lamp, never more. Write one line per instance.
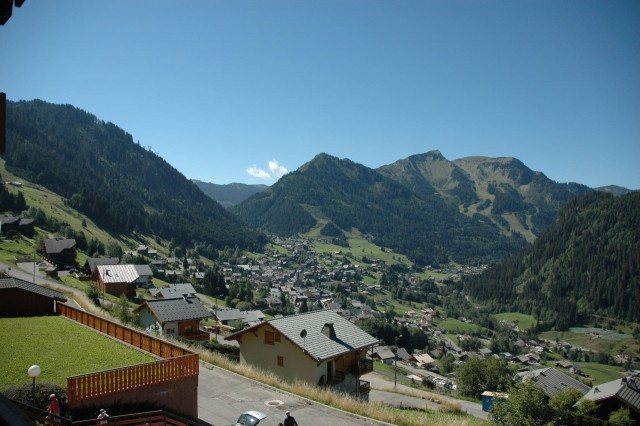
(34, 371)
(217, 320)
(395, 366)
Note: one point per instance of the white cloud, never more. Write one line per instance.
(277, 169)
(257, 172)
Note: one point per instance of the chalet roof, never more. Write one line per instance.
(626, 390)
(143, 270)
(383, 352)
(117, 273)
(58, 245)
(33, 288)
(403, 354)
(176, 309)
(553, 381)
(327, 334)
(176, 290)
(95, 261)
(423, 359)
(9, 220)
(228, 314)
(604, 391)
(629, 392)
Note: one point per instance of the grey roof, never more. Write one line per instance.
(176, 309)
(176, 290)
(604, 390)
(9, 219)
(403, 354)
(58, 245)
(553, 382)
(33, 288)
(626, 390)
(629, 392)
(346, 337)
(143, 270)
(95, 261)
(384, 352)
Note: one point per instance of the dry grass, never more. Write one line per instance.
(450, 414)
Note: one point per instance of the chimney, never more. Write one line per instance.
(328, 330)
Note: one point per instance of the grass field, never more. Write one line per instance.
(524, 321)
(454, 326)
(600, 373)
(60, 347)
(593, 343)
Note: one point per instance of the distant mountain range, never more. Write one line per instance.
(474, 209)
(229, 194)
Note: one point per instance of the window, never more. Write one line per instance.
(188, 329)
(268, 337)
(280, 361)
(276, 337)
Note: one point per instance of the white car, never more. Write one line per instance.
(249, 418)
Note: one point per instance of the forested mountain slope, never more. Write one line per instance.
(421, 225)
(504, 190)
(120, 185)
(586, 263)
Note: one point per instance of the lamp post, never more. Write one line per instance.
(395, 365)
(34, 371)
(217, 320)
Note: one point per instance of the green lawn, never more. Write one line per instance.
(600, 373)
(456, 326)
(60, 347)
(524, 321)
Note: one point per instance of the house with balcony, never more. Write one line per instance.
(318, 347)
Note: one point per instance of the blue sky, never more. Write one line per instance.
(242, 91)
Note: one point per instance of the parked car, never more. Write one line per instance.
(249, 418)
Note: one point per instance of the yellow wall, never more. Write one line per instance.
(297, 365)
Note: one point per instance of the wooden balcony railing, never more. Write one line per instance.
(178, 363)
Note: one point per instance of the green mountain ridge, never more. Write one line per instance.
(121, 186)
(504, 190)
(587, 263)
(421, 225)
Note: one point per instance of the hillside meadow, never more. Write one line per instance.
(60, 347)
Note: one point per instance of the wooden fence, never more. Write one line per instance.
(178, 364)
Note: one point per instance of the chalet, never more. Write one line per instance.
(9, 223)
(27, 226)
(145, 275)
(91, 263)
(227, 315)
(553, 382)
(179, 316)
(612, 396)
(383, 354)
(61, 252)
(173, 290)
(424, 360)
(20, 298)
(316, 347)
(122, 279)
(403, 354)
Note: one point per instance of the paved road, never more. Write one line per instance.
(223, 395)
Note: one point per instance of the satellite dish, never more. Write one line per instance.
(303, 333)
